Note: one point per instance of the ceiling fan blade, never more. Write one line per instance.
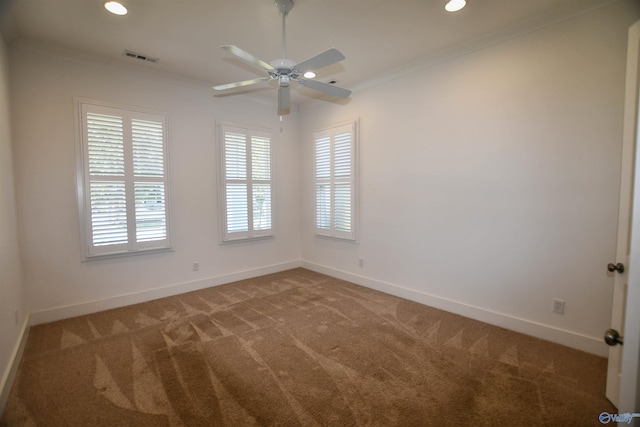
(328, 57)
(326, 88)
(240, 84)
(246, 56)
(284, 100)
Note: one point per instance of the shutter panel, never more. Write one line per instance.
(342, 188)
(237, 217)
(261, 206)
(260, 158)
(148, 148)
(261, 175)
(151, 223)
(323, 158)
(235, 156)
(342, 155)
(323, 187)
(323, 206)
(342, 210)
(108, 213)
(235, 167)
(105, 149)
(105, 143)
(147, 140)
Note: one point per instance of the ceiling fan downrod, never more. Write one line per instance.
(284, 6)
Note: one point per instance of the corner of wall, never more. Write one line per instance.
(524, 326)
(8, 377)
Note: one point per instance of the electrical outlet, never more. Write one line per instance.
(196, 266)
(361, 262)
(558, 306)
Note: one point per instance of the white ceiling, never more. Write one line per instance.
(376, 36)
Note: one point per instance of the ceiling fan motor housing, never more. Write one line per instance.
(284, 6)
(284, 71)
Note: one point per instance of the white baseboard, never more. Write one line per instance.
(549, 333)
(65, 312)
(12, 367)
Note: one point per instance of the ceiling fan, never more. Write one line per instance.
(286, 71)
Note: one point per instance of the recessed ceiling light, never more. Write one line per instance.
(309, 75)
(115, 7)
(454, 5)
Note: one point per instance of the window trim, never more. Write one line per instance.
(332, 233)
(89, 251)
(251, 234)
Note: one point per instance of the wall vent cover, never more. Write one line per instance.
(140, 56)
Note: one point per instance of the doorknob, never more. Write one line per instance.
(619, 267)
(612, 337)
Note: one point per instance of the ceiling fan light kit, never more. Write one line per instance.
(115, 7)
(284, 71)
(455, 5)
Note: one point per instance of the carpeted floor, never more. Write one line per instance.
(297, 348)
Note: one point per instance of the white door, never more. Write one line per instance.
(622, 373)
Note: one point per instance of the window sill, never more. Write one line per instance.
(246, 239)
(125, 254)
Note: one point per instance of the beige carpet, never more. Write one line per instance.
(297, 349)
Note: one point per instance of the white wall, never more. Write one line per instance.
(11, 286)
(489, 182)
(59, 284)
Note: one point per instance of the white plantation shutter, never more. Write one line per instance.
(123, 198)
(335, 181)
(235, 167)
(246, 176)
(323, 182)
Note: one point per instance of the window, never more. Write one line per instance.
(123, 191)
(335, 163)
(245, 165)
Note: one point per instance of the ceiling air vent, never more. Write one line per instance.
(140, 56)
